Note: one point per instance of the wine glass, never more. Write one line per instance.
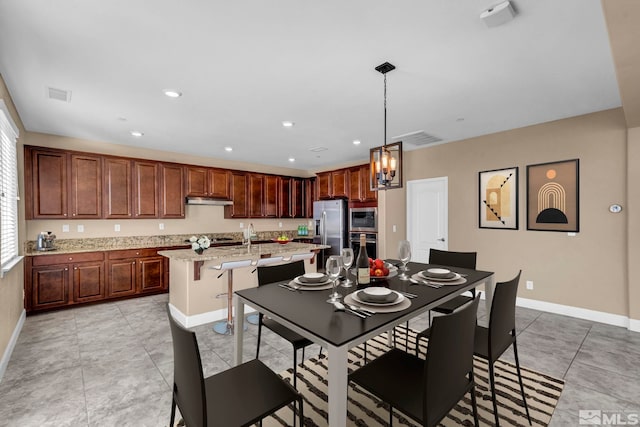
(333, 268)
(347, 260)
(404, 253)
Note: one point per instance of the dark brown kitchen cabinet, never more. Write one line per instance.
(117, 188)
(340, 184)
(324, 185)
(256, 195)
(145, 193)
(54, 281)
(284, 199)
(208, 182)
(271, 199)
(239, 188)
(171, 191)
(135, 271)
(359, 187)
(86, 186)
(309, 196)
(297, 198)
(46, 184)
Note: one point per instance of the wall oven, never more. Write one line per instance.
(371, 242)
(363, 219)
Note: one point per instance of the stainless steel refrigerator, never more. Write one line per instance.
(330, 218)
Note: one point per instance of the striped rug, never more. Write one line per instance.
(364, 409)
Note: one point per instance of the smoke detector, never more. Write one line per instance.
(499, 14)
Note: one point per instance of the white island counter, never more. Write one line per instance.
(197, 291)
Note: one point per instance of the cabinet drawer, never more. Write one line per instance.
(67, 258)
(132, 253)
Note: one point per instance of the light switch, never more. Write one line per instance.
(116, 227)
(242, 225)
(394, 228)
(161, 226)
(65, 228)
(80, 228)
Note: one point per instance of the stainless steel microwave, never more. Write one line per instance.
(363, 219)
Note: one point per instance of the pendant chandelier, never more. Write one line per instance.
(385, 162)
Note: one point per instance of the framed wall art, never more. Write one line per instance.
(498, 199)
(552, 196)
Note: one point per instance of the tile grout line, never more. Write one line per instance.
(577, 351)
(84, 385)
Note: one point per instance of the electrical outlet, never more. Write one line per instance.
(280, 224)
(530, 285)
(242, 225)
(80, 228)
(571, 234)
(116, 227)
(161, 226)
(394, 228)
(65, 228)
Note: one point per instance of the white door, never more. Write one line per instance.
(427, 214)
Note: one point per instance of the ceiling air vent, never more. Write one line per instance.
(59, 94)
(318, 149)
(419, 138)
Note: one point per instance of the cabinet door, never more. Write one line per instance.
(151, 274)
(271, 202)
(145, 179)
(355, 189)
(324, 185)
(88, 282)
(219, 183)
(121, 279)
(171, 191)
(239, 185)
(197, 182)
(86, 186)
(297, 198)
(309, 196)
(366, 193)
(284, 199)
(340, 183)
(117, 188)
(49, 286)
(256, 195)
(49, 184)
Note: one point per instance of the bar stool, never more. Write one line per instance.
(253, 318)
(226, 327)
(299, 257)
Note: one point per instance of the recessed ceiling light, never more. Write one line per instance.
(122, 119)
(287, 124)
(460, 119)
(356, 142)
(136, 133)
(172, 93)
(228, 149)
(291, 159)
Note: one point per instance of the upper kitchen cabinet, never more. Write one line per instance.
(208, 182)
(62, 185)
(171, 191)
(333, 185)
(271, 208)
(309, 196)
(117, 188)
(145, 184)
(359, 188)
(256, 195)
(297, 198)
(284, 199)
(239, 186)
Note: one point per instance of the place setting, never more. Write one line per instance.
(379, 299)
(438, 277)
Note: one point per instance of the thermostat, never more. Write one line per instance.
(615, 208)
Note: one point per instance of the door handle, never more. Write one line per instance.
(441, 239)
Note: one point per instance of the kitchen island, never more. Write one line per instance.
(198, 287)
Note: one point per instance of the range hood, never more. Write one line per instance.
(208, 201)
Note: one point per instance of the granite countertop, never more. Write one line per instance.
(68, 246)
(241, 251)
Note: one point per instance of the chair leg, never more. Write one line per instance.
(295, 368)
(173, 411)
(474, 404)
(302, 354)
(300, 413)
(493, 393)
(524, 400)
(390, 415)
(259, 335)
(365, 352)
(406, 338)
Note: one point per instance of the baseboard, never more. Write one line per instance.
(203, 318)
(580, 313)
(4, 362)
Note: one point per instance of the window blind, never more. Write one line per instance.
(8, 188)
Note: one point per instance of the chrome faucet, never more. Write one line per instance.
(250, 232)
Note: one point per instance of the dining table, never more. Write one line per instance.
(308, 313)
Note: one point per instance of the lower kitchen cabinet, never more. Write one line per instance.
(56, 281)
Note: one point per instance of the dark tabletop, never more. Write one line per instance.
(309, 310)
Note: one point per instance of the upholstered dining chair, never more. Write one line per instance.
(240, 396)
(278, 273)
(492, 342)
(426, 390)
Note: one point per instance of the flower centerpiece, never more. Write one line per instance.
(199, 244)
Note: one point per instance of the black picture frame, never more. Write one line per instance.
(498, 204)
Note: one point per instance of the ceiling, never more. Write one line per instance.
(244, 67)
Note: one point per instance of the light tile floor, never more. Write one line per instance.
(112, 364)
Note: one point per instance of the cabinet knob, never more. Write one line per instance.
(70, 258)
(74, 214)
(66, 269)
(133, 263)
(137, 253)
(65, 214)
(75, 268)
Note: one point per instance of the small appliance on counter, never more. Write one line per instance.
(45, 241)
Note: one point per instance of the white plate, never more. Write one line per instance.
(379, 304)
(377, 293)
(438, 272)
(315, 277)
(439, 279)
(324, 282)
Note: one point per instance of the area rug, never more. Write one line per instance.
(364, 409)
